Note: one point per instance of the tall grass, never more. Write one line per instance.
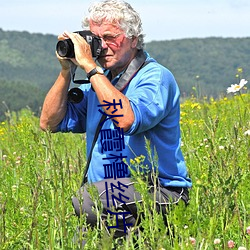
(40, 172)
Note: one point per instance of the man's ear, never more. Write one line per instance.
(134, 42)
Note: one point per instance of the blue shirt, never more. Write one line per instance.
(154, 97)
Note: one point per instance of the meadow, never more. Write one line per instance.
(40, 172)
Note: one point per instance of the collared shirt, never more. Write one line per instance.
(154, 97)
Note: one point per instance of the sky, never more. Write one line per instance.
(162, 19)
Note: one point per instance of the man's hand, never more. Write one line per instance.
(83, 54)
(66, 63)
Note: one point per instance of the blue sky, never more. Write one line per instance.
(162, 19)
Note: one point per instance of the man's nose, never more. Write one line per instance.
(104, 44)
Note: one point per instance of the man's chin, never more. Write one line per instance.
(105, 63)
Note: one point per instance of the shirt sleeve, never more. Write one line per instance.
(152, 98)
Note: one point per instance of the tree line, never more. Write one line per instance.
(202, 67)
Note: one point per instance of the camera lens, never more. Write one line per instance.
(75, 95)
(65, 48)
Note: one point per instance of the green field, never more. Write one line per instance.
(40, 172)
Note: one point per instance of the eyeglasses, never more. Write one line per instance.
(110, 38)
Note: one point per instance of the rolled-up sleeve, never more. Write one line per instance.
(152, 99)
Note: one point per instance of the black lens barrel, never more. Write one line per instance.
(65, 48)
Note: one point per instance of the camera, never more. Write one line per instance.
(65, 48)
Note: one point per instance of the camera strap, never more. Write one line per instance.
(136, 64)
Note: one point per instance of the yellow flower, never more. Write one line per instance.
(132, 162)
(137, 159)
(195, 105)
(240, 70)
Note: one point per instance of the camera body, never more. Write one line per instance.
(65, 48)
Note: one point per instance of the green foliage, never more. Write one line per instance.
(40, 172)
(36, 184)
(208, 62)
(14, 95)
(216, 146)
(28, 58)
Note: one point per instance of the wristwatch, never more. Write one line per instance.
(96, 70)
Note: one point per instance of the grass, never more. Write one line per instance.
(40, 172)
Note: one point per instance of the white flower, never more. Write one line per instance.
(242, 248)
(217, 241)
(192, 240)
(246, 133)
(237, 87)
(22, 210)
(248, 230)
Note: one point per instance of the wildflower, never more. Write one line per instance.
(132, 162)
(45, 216)
(230, 244)
(216, 241)
(198, 182)
(221, 147)
(192, 240)
(240, 70)
(14, 188)
(248, 230)
(195, 106)
(237, 87)
(137, 160)
(242, 248)
(247, 133)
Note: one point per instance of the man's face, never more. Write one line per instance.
(118, 50)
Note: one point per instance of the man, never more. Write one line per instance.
(143, 100)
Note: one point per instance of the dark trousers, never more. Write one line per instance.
(119, 197)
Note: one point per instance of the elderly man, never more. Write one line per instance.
(139, 100)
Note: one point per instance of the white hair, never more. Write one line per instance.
(120, 13)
